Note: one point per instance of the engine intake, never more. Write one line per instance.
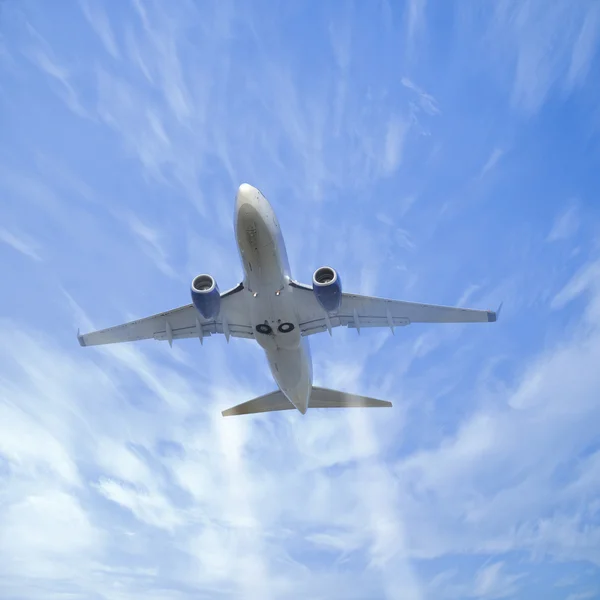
(327, 288)
(206, 296)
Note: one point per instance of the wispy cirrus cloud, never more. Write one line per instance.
(492, 161)
(492, 582)
(98, 19)
(426, 101)
(21, 243)
(233, 483)
(472, 451)
(539, 67)
(480, 482)
(489, 581)
(394, 143)
(70, 540)
(150, 240)
(415, 21)
(41, 55)
(583, 595)
(565, 225)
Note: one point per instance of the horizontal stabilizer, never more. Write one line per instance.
(267, 403)
(319, 398)
(326, 398)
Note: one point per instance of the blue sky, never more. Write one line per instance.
(433, 152)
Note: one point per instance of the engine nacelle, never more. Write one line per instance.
(327, 288)
(206, 296)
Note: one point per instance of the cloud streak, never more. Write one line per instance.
(21, 243)
(565, 225)
(480, 482)
(98, 19)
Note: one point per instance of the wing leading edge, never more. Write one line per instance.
(179, 323)
(358, 311)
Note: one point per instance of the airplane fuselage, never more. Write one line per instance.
(269, 296)
(275, 310)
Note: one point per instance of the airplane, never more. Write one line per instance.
(279, 312)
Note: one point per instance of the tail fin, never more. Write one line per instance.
(319, 398)
(326, 398)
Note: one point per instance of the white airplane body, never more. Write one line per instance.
(279, 313)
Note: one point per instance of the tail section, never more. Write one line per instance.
(267, 403)
(326, 398)
(319, 398)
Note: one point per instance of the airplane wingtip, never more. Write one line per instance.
(494, 316)
(80, 339)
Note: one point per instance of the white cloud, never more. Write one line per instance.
(584, 281)
(149, 507)
(394, 143)
(415, 22)
(150, 240)
(41, 55)
(340, 35)
(98, 19)
(427, 102)
(489, 581)
(492, 161)
(522, 30)
(29, 448)
(21, 243)
(496, 469)
(404, 239)
(47, 534)
(587, 595)
(489, 446)
(468, 294)
(118, 461)
(492, 582)
(406, 204)
(233, 528)
(301, 140)
(584, 47)
(565, 225)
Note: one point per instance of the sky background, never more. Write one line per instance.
(437, 152)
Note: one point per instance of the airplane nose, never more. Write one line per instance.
(246, 196)
(246, 193)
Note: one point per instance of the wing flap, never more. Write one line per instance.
(208, 328)
(319, 325)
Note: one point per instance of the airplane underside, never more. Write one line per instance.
(279, 313)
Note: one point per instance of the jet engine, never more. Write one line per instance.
(206, 296)
(327, 288)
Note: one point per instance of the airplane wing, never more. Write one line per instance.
(358, 311)
(179, 323)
